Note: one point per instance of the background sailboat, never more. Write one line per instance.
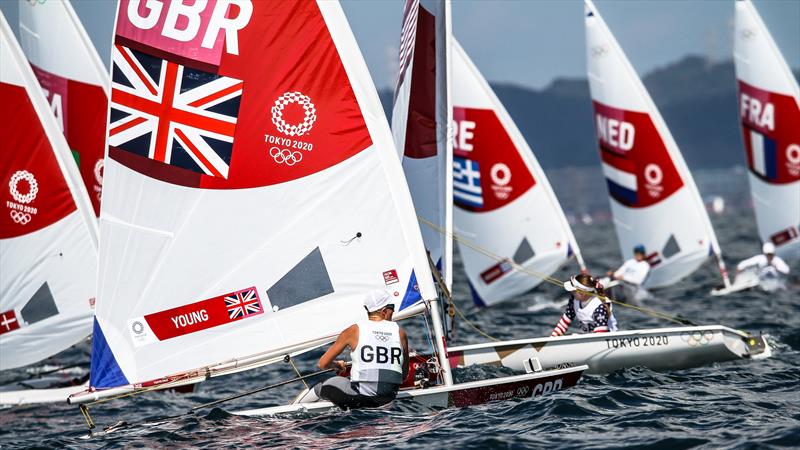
(769, 108)
(504, 204)
(48, 234)
(653, 197)
(74, 81)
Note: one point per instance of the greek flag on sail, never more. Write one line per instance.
(467, 182)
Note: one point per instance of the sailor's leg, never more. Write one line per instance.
(339, 391)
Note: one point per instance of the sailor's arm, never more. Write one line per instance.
(780, 265)
(404, 343)
(749, 262)
(347, 338)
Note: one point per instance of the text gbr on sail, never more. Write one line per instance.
(614, 133)
(184, 19)
(757, 113)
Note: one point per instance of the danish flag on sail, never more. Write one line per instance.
(173, 114)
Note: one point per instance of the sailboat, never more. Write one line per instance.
(504, 204)
(253, 194)
(48, 232)
(74, 80)
(421, 112)
(670, 348)
(654, 200)
(769, 108)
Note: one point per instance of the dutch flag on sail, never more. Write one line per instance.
(763, 154)
(621, 182)
(467, 182)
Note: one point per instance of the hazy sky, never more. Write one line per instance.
(531, 42)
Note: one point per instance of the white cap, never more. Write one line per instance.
(768, 248)
(377, 300)
(573, 284)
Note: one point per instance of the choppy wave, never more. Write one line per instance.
(742, 404)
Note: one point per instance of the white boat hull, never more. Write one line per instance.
(457, 395)
(658, 349)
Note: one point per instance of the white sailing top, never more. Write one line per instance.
(378, 357)
(764, 266)
(633, 271)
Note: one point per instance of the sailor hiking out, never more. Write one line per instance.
(767, 264)
(379, 353)
(593, 314)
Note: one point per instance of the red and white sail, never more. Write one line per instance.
(74, 81)
(48, 233)
(653, 197)
(252, 195)
(504, 204)
(421, 113)
(769, 108)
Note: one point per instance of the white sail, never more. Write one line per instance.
(653, 197)
(48, 234)
(74, 81)
(252, 193)
(421, 113)
(504, 203)
(769, 107)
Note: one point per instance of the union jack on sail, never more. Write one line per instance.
(242, 304)
(172, 113)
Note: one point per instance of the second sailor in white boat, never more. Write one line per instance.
(586, 307)
(626, 282)
(379, 351)
(767, 267)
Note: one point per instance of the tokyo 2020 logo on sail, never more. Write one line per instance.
(20, 212)
(33, 186)
(653, 175)
(298, 129)
(289, 152)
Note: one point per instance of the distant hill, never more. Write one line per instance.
(696, 98)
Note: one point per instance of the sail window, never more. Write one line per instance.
(306, 281)
(524, 252)
(41, 306)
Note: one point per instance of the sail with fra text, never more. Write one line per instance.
(769, 110)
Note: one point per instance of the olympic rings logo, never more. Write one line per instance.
(285, 156)
(294, 129)
(20, 217)
(33, 186)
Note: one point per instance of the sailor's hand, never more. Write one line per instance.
(340, 366)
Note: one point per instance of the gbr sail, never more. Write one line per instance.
(253, 192)
(769, 106)
(74, 81)
(503, 201)
(653, 197)
(48, 234)
(421, 113)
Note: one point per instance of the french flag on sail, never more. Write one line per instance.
(763, 154)
(467, 182)
(621, 181)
